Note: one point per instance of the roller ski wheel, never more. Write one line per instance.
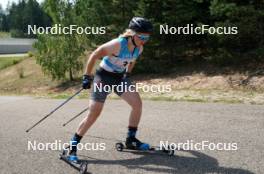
(119, 147)
(83, 167)
(168, 151)
(79, 165)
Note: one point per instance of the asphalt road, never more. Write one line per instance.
(15, 45)
(173, 121)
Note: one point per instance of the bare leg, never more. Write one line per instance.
(134, 100)
(95, 109)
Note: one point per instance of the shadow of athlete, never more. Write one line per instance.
(199, 164)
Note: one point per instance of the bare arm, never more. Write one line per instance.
(130, 66)
(108, 48)
(97, 54)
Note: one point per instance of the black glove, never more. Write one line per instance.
(126, 75)
(87, 81)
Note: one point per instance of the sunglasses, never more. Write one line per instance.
(143, 37)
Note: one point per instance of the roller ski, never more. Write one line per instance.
(133, 144)
(73, 160)
(69, 155)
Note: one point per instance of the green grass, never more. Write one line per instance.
(4, 34)
(9, 61)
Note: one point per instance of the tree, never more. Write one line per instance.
(23, 14)
(3, 20)
(164, 50)
(59, 55)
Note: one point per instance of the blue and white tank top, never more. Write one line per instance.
(118, 63)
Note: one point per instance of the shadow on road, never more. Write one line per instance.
(198, 164)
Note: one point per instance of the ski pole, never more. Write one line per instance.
(46, 116)
(76, 116)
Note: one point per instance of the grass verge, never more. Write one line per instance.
(4, 34)
(9, 61)
(26, 78)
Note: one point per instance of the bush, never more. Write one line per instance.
(30, 54)
(20, 71)
(222, 57)
(16, 33)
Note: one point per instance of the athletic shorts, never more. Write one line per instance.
(105, 81)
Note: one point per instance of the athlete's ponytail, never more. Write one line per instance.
(128, 33)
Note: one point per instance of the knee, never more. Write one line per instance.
(136, 104)
(94, 111)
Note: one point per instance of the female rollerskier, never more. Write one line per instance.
(119, 57)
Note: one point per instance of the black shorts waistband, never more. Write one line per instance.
(102, 71)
